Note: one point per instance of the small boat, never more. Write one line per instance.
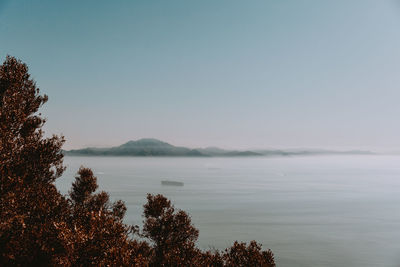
(173, 183)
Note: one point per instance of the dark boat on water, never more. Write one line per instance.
(173, 183)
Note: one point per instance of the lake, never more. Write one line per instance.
(310, 211)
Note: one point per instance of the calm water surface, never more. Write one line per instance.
(311, 211)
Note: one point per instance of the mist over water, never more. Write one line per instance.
(311, 211)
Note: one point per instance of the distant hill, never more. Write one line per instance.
(156, 148)
(142, 147)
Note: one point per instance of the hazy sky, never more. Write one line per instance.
(235, 74)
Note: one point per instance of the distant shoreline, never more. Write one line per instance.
(155, 148)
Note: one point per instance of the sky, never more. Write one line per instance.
(229, 73)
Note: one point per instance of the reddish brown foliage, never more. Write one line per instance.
(172, 233)
(40, 226)
(252, 255)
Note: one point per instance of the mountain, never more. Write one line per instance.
(142, 147)
(154, 147)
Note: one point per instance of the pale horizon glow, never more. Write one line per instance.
(232, 74)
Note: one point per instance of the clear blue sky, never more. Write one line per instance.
(235, 74)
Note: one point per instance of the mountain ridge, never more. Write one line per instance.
(153, 147)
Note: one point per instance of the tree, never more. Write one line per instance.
(173, 237)
(171, 232)
(252, 255)
(40, 226)
(29, 164)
